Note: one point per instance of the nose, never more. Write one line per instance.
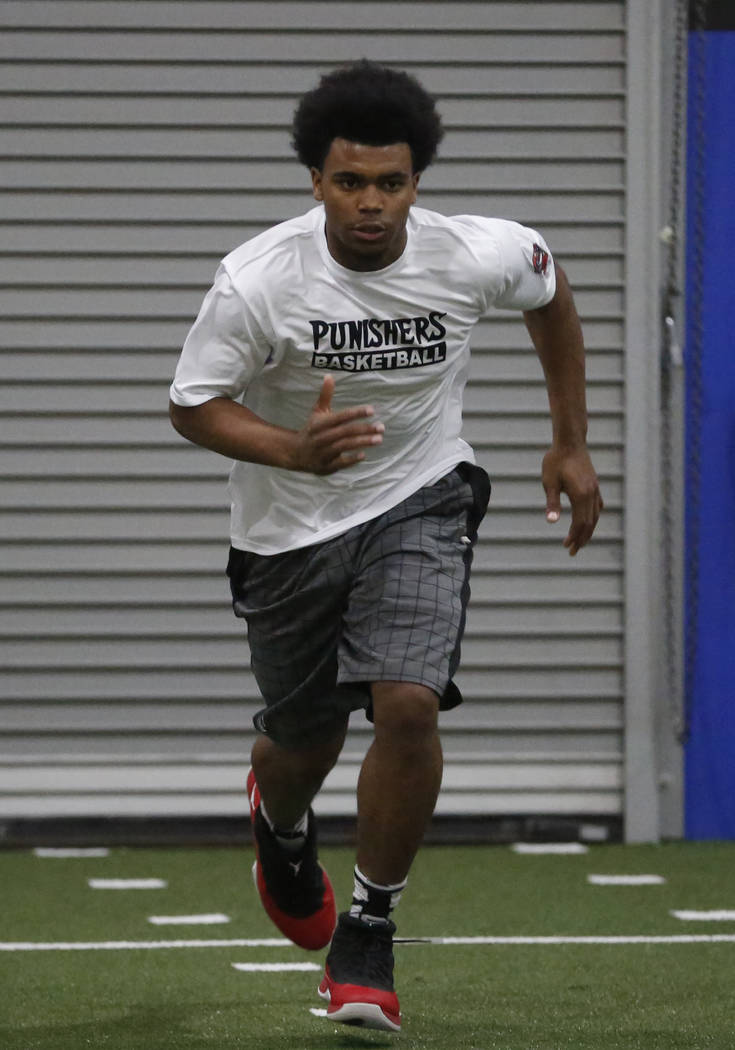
(371, 199)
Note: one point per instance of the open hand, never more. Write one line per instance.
(331, 441)
(571, 471)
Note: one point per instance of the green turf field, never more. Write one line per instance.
(510, 996)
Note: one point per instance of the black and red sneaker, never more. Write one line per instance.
(294, 888)
(358, 978)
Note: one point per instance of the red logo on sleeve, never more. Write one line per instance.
(540, 260)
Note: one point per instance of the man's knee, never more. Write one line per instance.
(314, 760)
(405, 709)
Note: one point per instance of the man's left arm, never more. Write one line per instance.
(557, 336)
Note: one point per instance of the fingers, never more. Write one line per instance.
(322, 415)
(324, 401)
(553, 504)
(341, 446)
(573, 474)
(331, 441)
(585, 515)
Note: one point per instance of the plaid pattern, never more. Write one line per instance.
(385, 601)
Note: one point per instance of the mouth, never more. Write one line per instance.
(369, 231)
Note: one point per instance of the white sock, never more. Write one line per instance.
(371, 901)
(290, 839)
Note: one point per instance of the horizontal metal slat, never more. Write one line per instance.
(129, 493)
(69, 530)
(213, 78)
(503, 788)
(121, 777)
(186, 558)
(119, 584)
(23, 502)
(164, 175)
(553, 803)
(530, 396)
(93, 653)
(500, 431)
(501, 331)
(204, 487)
(526, 461)
(465, 726)
(165, 300)
(200, 523)
(211, 143)
(152, 428)
(43, 366)
(253, 16)
(91, 271)
(79, 333)
(137, 396)
(538, 551)
(201, 621)
(541, 553)
(235, 745)
(506, 724)
(338, 46)
(142, 804)
(213, 684)
(488, 366)
(165, 334)
(562, 586)
(528, 205)
(112, 237)
(108, 684)
(569, 681)
(138, 460)
(253, 112)
(122, 447)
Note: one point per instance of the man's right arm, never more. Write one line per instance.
(327, 442)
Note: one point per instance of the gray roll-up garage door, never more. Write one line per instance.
(140, 142)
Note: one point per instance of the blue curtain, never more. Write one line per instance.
(710, 491)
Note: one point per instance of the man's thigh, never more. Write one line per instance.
(407, 608)
(293, 605)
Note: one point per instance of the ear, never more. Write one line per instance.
(415, 179)
(316, 184)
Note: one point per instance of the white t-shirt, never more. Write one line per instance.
(283, 313)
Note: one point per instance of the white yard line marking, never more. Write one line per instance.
(626, 880)
(549, 847)
(317, 1012)
(127, 884)
(622, 939)
(70, 851)
(274, 967)
(188, 920)
(121, 946)
(275, 942)
(721, 915)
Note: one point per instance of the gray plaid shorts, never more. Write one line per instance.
(384, 601)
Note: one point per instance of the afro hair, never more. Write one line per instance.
(370, 104)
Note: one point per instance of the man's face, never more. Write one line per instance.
(367, 192)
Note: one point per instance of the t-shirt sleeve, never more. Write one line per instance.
(511, 263)
(224, 350)
(528, 276)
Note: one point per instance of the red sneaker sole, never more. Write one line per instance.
(367, 1007)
